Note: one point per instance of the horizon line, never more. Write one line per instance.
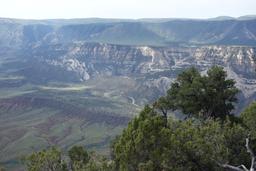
(151, 18)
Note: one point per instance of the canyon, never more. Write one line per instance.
(67, 82)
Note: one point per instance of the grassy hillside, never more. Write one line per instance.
(33, 117)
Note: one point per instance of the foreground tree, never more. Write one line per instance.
(207, 96)
(45, 160)
(248, 117)
(81, 160)
(243, 167)
(141, 143)
(78, 157)
(147, 144)
(220, 94)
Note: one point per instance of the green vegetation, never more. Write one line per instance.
(32, 118)
(209, 138)
(207, 96)
(78, 157)
(78, 160)
(45, 160)
(249, 117)
(153, 141)
(182, 145)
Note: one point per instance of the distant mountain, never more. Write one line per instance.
(80, 81)
(220, 18)
(159, 32)
(247, 17)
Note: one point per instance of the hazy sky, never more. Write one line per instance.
(40, 9)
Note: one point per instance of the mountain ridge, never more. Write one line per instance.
(159, 32)
(99, 19)
(80, 83)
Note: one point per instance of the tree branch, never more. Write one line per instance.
(249, 150)
(242, 167)
(234, 168)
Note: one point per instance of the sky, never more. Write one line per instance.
(132, 9)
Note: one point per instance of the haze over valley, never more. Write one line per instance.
(80, 81)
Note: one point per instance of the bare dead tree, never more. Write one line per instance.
(242, 167)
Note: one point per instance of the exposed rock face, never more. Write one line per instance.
(55, 50)
(153, 67)
(58, 89)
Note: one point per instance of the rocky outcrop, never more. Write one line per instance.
(155, 67)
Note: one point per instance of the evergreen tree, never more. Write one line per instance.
(249, 118)
(182, 145)
(78, 157)
(220, 93)
(45, 160)
(210, 96)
